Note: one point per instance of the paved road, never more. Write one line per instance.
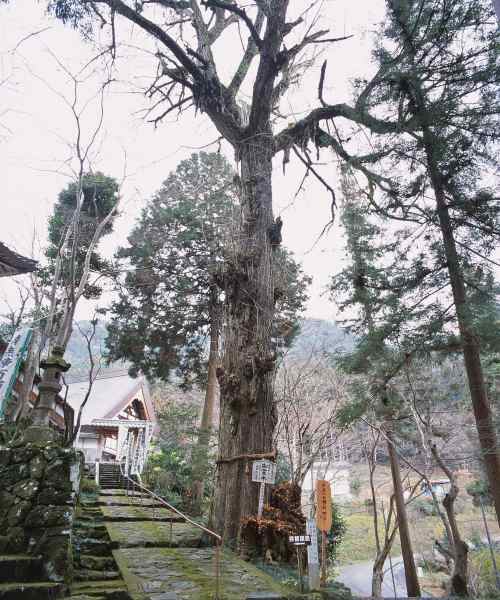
(358, 577)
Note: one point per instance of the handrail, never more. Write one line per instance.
(217, 537)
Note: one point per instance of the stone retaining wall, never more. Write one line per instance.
(39, 485)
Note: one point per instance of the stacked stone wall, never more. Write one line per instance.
(39, 485)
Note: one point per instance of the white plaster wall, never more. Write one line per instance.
(90, 448)
(338, 474)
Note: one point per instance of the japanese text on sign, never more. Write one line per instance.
(264, 471)
(323, 505)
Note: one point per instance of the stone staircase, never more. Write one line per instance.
(110, 477)
(26, 579)
(96, 576)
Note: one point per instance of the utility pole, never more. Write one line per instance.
(412, 584)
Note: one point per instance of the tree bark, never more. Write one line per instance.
(470, 344)
(412, 584)
(248, 415)
(200, 459)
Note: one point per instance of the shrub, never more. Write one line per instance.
(337, 532)
(427, 508)
(355, 486)
(89, 486)
(482, 575)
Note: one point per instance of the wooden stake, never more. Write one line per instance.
(323, 558)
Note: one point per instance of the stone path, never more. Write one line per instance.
(159, 557)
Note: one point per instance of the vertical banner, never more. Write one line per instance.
(10, 363)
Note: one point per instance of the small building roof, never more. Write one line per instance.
(12, 263)
(109, 396)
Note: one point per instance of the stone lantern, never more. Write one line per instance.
(53, 366)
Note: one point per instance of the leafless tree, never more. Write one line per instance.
(308, 394)
(95, 364)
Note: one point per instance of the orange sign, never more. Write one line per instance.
(323, 505)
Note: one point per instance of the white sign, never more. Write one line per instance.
(299, 540)
(10, 362)
(312, 549)
(264, 471)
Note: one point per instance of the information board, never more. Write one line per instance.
(264, 471)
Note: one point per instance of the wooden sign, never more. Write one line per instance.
(264, 471)
(323, 505)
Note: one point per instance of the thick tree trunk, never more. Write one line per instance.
(471, 351)
(248, 415)
(200, 458)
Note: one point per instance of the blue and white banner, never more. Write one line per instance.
(10, 363)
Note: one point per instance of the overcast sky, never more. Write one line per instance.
(37, 131)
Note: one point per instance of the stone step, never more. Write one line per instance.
(150, 534)
(121, 492)
(92, 546)
(110, 590)
(95, 575)
(99, 563)
(19, 567)
(89, 529)
(30, 591)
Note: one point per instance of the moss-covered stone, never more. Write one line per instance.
(57, 558)
(6, 501)
(37, 467)
(49, 516)
(54, 496)
(24, 454)
(13, 474)
(25, 489)
(16, 539)
(5, 456)
(17, 513)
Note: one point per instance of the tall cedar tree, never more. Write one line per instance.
(187, 75)
(397, 319)
(438, 82)
(376, 359)
(170, 301)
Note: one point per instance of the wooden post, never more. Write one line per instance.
(299, 566)
(323, 558)
(412, 584)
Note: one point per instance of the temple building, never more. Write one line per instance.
(118, 413)
(12, 263)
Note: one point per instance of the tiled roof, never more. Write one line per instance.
(12, 263)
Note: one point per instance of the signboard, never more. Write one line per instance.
(323, 505)
(10, 363)
(299, 540)
(264, 471)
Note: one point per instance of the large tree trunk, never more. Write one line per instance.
(200, 458)
(248, 414)
(471, 351)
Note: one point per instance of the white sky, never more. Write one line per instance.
(36, 131)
